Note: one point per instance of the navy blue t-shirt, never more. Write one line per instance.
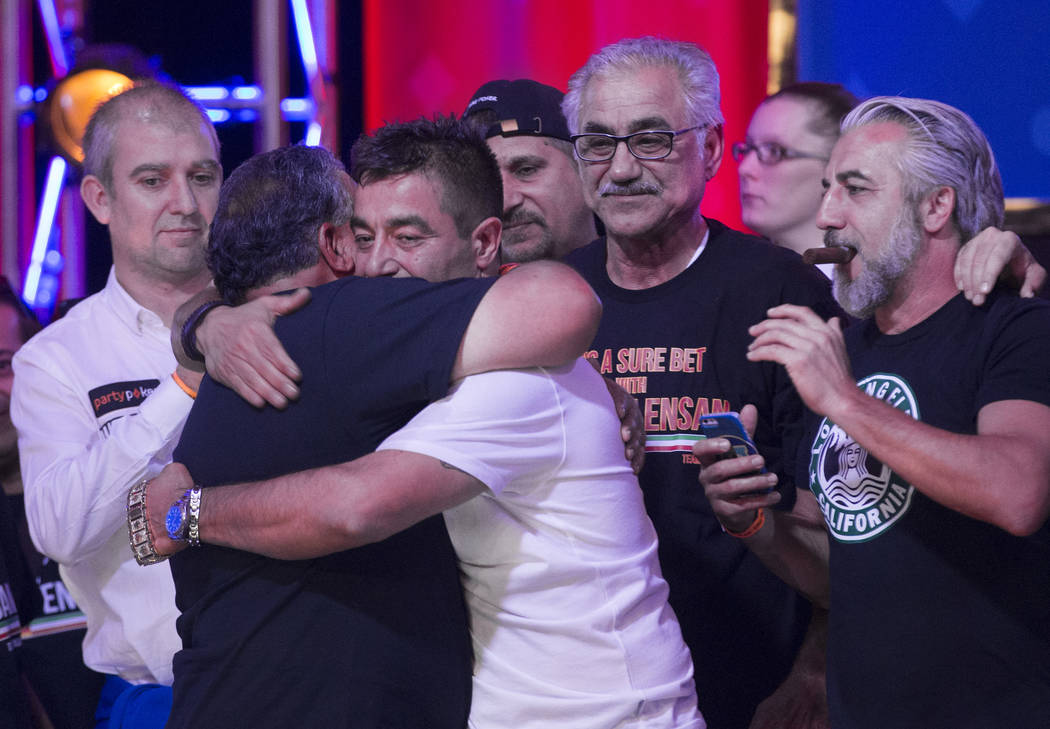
(937, 619)
(370, 637)
(681, 347)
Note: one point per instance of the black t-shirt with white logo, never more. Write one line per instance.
(937, 619)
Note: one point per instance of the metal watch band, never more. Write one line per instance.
(138, 526)
(193, 532)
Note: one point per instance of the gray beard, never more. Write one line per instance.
(876, 283)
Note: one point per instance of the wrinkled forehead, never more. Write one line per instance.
(622, 101)
(412, 199)
(415, 191)
(139, 145)
(520, 149)
(872, 151)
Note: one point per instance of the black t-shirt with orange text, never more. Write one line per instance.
(680, 348)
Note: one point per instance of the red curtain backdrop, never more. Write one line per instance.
(426, 57)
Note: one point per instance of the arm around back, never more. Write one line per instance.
(541, 314)
(317, 512)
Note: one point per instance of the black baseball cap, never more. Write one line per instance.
(522, 107)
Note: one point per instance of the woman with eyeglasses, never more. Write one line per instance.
(781, 162)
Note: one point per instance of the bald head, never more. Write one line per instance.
(149, 102)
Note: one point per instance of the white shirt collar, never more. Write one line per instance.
(138, 317)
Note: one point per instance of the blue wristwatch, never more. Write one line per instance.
(176, 520)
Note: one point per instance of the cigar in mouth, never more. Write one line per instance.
(829, 254)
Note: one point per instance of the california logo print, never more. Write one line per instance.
(859, 495)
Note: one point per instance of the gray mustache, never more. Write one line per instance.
(633, 188)
(831, 238)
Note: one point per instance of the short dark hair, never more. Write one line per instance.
(482, 120)
(270, 212)
(163, 102)
(445, 149)
(832, 101)
(28, 324)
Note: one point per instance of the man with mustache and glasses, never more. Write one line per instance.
(679, 291)
(938, 559)
(544, 213)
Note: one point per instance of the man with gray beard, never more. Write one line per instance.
(935, 520)
(861, 295)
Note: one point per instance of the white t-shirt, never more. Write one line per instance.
(569, 613)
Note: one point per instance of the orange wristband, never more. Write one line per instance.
(185, 388)
(758, 523)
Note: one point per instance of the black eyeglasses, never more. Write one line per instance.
(650, 144)
(770, 153)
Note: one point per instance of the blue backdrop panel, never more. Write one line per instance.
(990, 58)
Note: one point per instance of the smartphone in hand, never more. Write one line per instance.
(728, 426)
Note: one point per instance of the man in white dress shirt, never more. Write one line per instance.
(95, 402)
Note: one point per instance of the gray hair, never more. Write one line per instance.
(696, 74)
(270, 212)
(945, 148)
(159, 102)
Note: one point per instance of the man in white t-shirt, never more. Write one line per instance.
(569, 613)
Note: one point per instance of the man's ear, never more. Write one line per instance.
(484, 242)
(337, 247)
(714, 146)
(936, 209)
(96, 198)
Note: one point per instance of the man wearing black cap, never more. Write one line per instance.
(544, 213)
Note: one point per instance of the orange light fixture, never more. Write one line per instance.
(75, 99)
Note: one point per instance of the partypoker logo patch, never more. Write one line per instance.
(119, 395)
(859, 495)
